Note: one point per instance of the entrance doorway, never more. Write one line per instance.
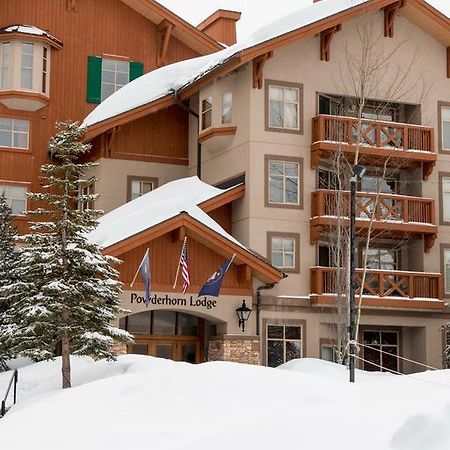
(169, 334)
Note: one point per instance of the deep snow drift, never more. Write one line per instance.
(142, 402)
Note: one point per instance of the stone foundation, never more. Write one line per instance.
(242, 349)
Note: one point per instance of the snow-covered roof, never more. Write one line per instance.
(155, 207)
(169, 79)
(29, 29)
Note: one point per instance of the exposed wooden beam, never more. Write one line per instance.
(390, 12)
(326, 36)
(72, 5)
(244, 273)
(258, 66)
(165, 29)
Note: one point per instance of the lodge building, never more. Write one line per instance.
(239, 148)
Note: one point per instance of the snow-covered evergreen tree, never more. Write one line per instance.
(68, 290)
(8, 262)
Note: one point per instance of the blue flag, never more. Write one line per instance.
(214, 282)
(145, 274)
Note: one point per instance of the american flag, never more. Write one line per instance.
(185, 267)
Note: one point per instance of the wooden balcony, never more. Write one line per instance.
(403, 145)
(394, 216)
(382, 288)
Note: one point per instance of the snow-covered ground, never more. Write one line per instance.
(142, 402)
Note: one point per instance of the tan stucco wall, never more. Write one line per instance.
(112, 179)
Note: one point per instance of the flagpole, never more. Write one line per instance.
(139, 268)
(231, 260)
(178, 268)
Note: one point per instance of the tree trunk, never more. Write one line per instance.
(65, 351)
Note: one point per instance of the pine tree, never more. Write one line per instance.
(68, 290)
(8, 261)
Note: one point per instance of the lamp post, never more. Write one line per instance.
(243, 313)
(358, 172)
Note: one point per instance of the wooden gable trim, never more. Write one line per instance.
(390, 12)
(258, 67)
(326, 36)
(227, 197)
(157, 13)
(205, 236)
(165, 29)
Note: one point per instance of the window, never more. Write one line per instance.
(44, 70)
(283, 250)
(446, 345)
(381, 350)
(227, 101)
(5, 58)
(372, 183)
(284, 103)
(444, 122)
(14, 133)
(115, 74)
(206, 112)
(444, 204)
(107, 75)
(137, 186)
(86, 203)
(327, 179)
(446, 270)
(284, 342)
(327, 353)
(16, 198)
(284, 182)
(26, 71)
(381, 258)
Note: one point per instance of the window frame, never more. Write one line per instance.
(300, 111)
(204, 112)
(372, 329)
(442, 104)
(7, 184)
(284, 159)
(441, 176)
(5, 68)
(286, 323)
(90, 184)
(285, 235)
(131, 178)
(31, 68)
(17, 149)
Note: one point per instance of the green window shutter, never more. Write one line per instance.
(94, 80)
(136, 70)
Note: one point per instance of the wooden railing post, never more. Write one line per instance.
(411, 292)
(381, 284)
(405, 138)
(405, 212)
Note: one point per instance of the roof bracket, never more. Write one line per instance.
(390, 12)
(165, 29)
(258, 66)
(108, 141)
(326, 36)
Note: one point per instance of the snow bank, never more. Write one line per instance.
(156, 207)
(142, 402)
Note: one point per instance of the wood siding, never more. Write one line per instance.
(98, 27)
(164, 257)
(163, 134)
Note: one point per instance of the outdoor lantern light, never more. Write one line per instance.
(243, 314)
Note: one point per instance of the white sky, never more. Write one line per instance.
(254, 12)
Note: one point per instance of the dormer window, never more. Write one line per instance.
(25, 67)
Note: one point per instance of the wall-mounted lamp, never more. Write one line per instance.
(243, 314)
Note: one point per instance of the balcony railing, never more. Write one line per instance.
(377, 138)
(383, 207)
(393, 287)
(396, 216)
